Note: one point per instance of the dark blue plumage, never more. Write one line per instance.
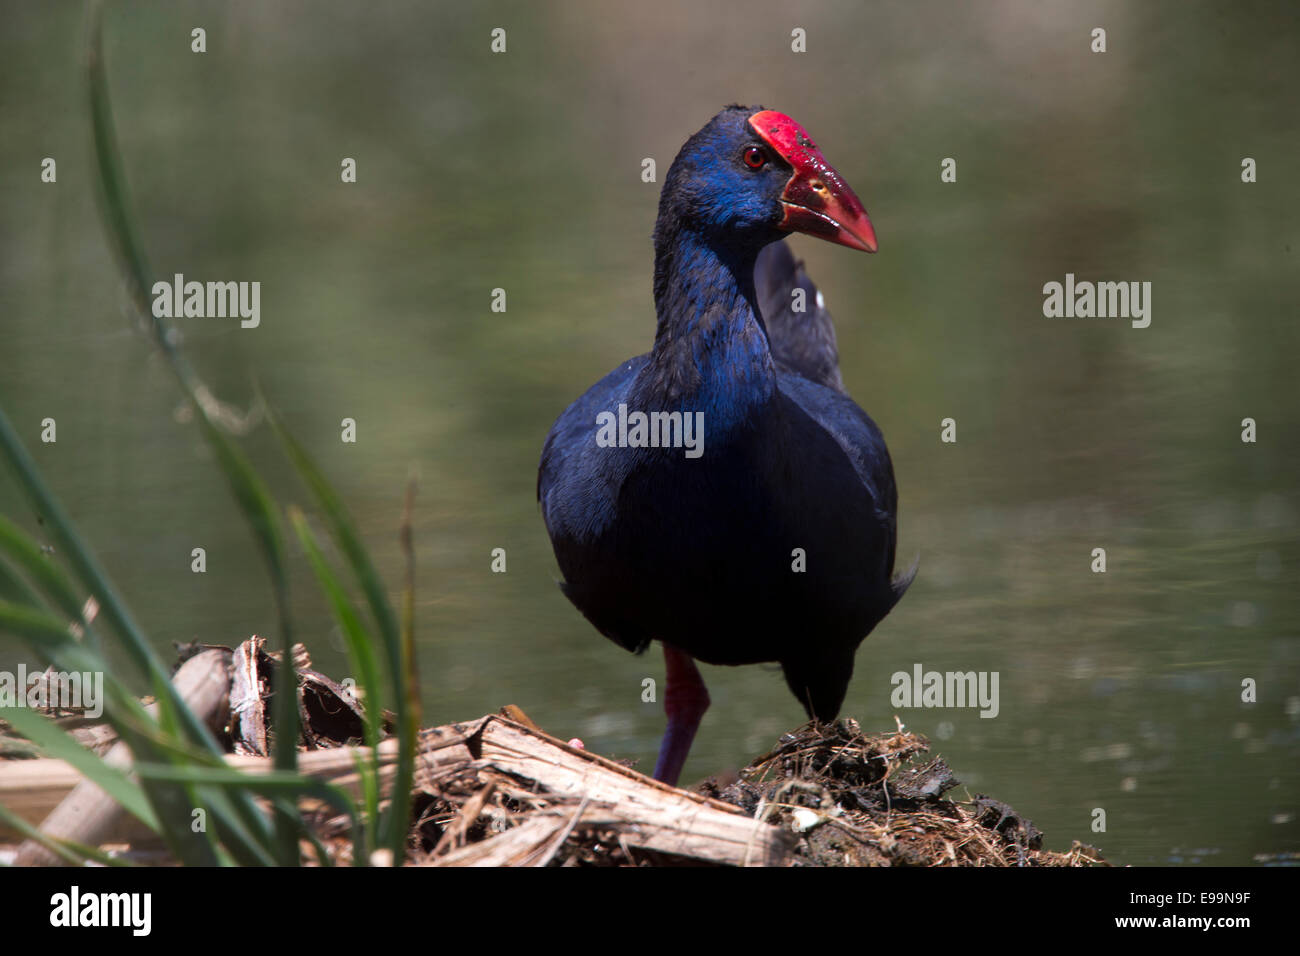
(700, 553)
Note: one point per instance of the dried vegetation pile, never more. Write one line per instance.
(498, 791)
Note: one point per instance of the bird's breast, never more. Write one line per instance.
(764, 538)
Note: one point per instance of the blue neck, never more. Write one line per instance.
(711, 351)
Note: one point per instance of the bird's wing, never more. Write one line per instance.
(803, 344)
(578, 485)
(862, 443)
(572, 438)
(800, 330)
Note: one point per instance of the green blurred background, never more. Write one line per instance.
(1118, 690)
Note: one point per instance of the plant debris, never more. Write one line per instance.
(498, 791)
(859, 799)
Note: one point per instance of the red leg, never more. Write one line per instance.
(685, 701)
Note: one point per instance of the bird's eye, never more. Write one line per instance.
(755, 158)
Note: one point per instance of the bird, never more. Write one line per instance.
(722, 494)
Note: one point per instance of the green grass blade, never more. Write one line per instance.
(273, 783)
(408, 686)
(255, 502)
(345, 536)
(400, 661)
(360, 648)
(71, 853)
(27, 555)
(276, 784)
(75, 551)
(15, 589)
(54, 742)
(368, 774)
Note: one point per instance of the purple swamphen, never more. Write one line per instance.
(722, 494)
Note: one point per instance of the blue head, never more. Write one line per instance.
(724, 186)
(751, 176)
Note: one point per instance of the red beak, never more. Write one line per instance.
(816, 200)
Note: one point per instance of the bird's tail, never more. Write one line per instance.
(901, 581)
